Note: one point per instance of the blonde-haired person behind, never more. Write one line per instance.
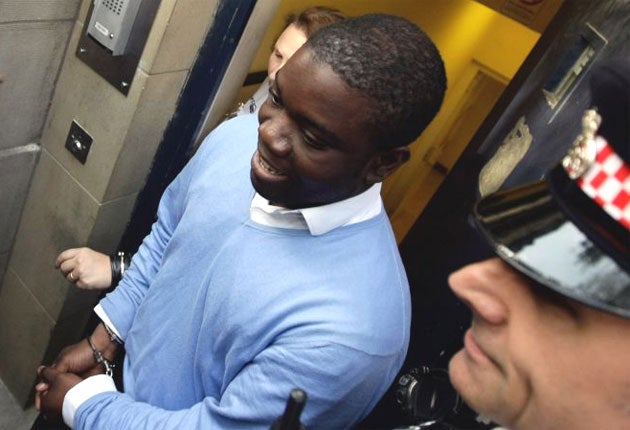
(298, 28)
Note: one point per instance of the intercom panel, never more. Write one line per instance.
(113, 39)
(111, 23)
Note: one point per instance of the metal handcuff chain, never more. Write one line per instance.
(108, 366)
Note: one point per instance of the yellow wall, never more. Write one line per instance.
(462, 29)
(466, 33)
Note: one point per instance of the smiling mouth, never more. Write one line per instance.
(267, 168)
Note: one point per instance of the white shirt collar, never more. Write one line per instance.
(320, 219)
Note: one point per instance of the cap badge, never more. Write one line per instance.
(599, 171)
(582, 154)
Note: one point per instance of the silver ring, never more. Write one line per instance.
(71, 276)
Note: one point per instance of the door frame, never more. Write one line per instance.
(219, 70)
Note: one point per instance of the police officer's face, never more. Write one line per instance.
(315, 146)
(532, 360)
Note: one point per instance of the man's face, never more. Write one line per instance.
(291, 39)
(314, 147)
(533, 360)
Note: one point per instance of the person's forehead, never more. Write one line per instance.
(302, 71)
(312, 90)
(290, 39)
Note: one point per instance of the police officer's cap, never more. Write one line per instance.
(571, 231)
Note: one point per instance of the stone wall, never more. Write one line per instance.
(68, 203)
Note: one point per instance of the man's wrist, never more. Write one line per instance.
(83, 391)
(112, 335)
(108, 365)
(102, 342)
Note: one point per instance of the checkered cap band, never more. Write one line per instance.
(607, 183)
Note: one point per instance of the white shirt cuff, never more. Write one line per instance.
(98, 310)
(83, 391)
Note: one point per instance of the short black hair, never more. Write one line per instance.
(392, 63)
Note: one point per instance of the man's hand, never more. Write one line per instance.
(79, 358)
(49, 401)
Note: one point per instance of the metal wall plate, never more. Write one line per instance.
(78, 142)
(118, 70)
(578, 58)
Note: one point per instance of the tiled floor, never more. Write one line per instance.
(12, 417)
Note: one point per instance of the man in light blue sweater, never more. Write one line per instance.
(268, 272)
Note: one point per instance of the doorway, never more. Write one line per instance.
(406, 195)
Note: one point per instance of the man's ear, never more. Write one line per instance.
(387, 162)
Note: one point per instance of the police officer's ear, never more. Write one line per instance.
(386, 162)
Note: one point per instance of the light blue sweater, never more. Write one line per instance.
(222, 317)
